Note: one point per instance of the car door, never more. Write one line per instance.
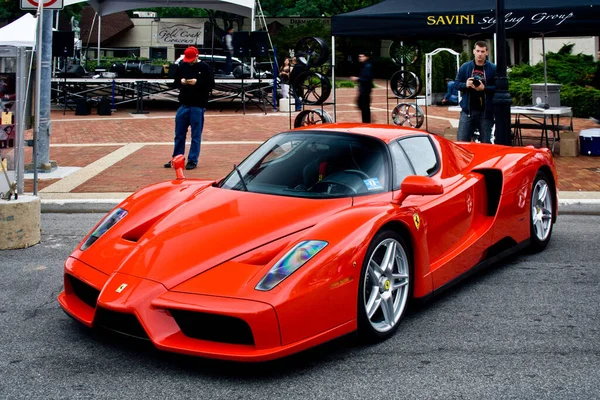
(447, 218)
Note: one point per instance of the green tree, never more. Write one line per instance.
(576, 73)
(288, 36)
(10, 10)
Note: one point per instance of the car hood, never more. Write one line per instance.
(216, 225)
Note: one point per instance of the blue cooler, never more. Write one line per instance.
(589, 142)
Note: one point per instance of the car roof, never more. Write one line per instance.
(386, 133)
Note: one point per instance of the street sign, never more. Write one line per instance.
(48, 4)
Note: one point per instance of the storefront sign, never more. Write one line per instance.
(180, 33)
(511, 20)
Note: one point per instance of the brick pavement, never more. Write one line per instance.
(96, 137)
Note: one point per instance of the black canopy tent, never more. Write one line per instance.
(442, 18)
(438, 18)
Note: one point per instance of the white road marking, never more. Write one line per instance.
(70, 182)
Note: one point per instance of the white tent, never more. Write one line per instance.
(239, 7)
(244, 8)
(19, 33)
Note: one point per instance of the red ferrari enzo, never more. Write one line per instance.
(318, 233)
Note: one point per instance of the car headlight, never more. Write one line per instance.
(289, 263)
(108, 222)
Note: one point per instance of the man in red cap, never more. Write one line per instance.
(195, 80)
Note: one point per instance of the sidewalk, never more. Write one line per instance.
(103, 159)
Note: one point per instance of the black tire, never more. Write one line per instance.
(405, 84)
(311, 51)
(313, 87)
(541, 214)
(312, 117)
(372, 328)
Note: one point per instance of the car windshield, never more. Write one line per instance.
(314, 164)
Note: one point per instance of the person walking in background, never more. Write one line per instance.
(229, 51)
(284, 77)
(296, 69)
(195, 80)
(77, 50)
(476, 80)
(365, 85)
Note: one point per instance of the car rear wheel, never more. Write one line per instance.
(542, 195)
(384, 288)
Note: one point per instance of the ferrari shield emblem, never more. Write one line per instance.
(417, 220)
(121, 288)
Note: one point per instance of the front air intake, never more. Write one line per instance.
(126, 324)
(83, 291)
(213, 327)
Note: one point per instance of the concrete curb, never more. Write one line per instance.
(579, 206)
(565, 206)
(72, 206)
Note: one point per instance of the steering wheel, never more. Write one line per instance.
(326, 182)
(357, 172)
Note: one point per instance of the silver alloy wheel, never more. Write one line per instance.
(408, 114)
(386, 285)
(541, 209)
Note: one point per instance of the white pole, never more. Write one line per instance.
(54, 59)
(545, 70)
(22, 79)
(99, 29)
(333, 75)
(252, 29)
(495, 50)
(38, 91)
(457, 68)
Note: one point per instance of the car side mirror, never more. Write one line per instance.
(417, 186)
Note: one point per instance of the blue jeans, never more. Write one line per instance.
(228, 63)
(188, 117)
(297, 99)
(468, 123)
(451, 94)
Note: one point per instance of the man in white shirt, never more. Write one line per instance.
(229, 51)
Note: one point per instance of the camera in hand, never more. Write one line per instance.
(476, 81)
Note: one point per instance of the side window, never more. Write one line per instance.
(402, 167)
(421, 154)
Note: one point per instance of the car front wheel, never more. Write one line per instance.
(542, 195)
(385, 285)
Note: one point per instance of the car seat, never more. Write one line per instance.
(314, 172)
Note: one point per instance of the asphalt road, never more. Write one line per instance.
(526, 329)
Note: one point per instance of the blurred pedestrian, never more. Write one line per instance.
(195, 80)
(229, 51)
(284, 77)
(365, 86)
(295, 84)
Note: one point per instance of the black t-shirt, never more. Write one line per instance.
(297, 69)
(194, 95)
(365, 79)
(477, 99)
